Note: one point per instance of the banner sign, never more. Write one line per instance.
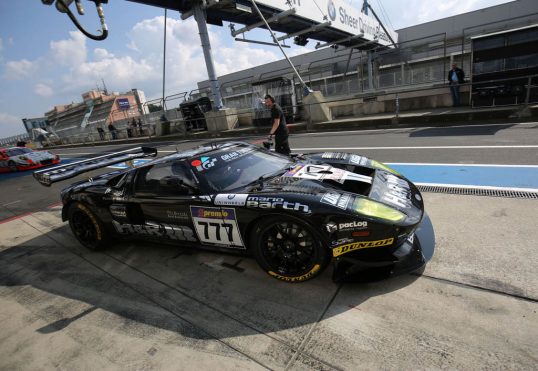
(123, 103)
(343, 16)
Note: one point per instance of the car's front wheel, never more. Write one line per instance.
(12, 166)
(87, 227)
(288, 249)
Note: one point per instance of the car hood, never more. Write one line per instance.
(39, 155)
(366, 179)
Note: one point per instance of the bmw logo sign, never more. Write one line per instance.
(332, 10)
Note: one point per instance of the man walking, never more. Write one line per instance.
(279, 128)
(456, 76)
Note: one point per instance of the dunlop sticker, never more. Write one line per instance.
(337, 251)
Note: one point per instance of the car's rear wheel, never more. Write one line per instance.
(288, 249)
(12, 166)
(87, 227)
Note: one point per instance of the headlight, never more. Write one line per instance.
(377, 210)
(23, 158)
(382, 166)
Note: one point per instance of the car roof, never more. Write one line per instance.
(204, 149)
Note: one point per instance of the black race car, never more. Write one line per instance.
(292, 214)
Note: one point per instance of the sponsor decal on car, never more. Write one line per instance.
(216, 226)
(337, 251)
(231, 199)
(352, 225)
(172, 214)
(203, 163)
(335, 155)
(397, 191)
(235, 154)
(118, 211)
(276, 203)
(321, 172)
(336, 199)
(358, 160)
(331, 227)
(173, 232)
(341, 241)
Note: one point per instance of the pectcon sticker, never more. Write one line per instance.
(216, 226)
(203, 163)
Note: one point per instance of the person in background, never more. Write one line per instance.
(456, 76)
(140, 129)
(21, 143)
(101, 133)
(112, 130)
(278, 128)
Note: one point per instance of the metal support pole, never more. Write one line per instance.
(199, 15)
(164, 54)
(306, 89)
(370, 72)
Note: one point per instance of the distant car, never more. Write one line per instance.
(22, 158)
(293, 215)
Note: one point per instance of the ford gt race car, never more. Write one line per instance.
(292, 214)
(22, 158)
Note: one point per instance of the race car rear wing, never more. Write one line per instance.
(55, 174)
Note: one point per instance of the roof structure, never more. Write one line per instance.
(328, 21)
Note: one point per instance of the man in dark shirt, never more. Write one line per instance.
(456, 76)
(279, 129)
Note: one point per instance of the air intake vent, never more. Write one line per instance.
(491, 192)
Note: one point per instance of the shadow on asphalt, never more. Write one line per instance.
(460, 130)
(198, 294)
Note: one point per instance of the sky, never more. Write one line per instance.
(45, 61)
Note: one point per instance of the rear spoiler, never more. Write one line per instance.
(55, 174)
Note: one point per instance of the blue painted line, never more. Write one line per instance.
(471, 175)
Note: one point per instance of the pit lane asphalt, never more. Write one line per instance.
(140, 306)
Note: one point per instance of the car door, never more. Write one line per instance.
(157, 203)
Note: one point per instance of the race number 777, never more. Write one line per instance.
(212, 231)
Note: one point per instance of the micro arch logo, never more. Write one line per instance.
(332, 10)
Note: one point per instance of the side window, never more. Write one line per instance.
(165, 180)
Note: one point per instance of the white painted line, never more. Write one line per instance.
(410, 128)
(479, 187)
(457, 165)
(76, 153)
(11, 203)
(415, 147)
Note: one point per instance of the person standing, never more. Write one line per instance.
(456, 76)
(101, 133)
(140, 128)
(278, 128)
(112, 130)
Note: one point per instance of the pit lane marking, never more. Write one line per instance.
(416, 147)
(11, 203)
(346, 132)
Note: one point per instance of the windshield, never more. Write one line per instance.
(238, 166)
(18, 151)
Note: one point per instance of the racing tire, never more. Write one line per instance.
(12, 166)
(288, 249)
(87, 227)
